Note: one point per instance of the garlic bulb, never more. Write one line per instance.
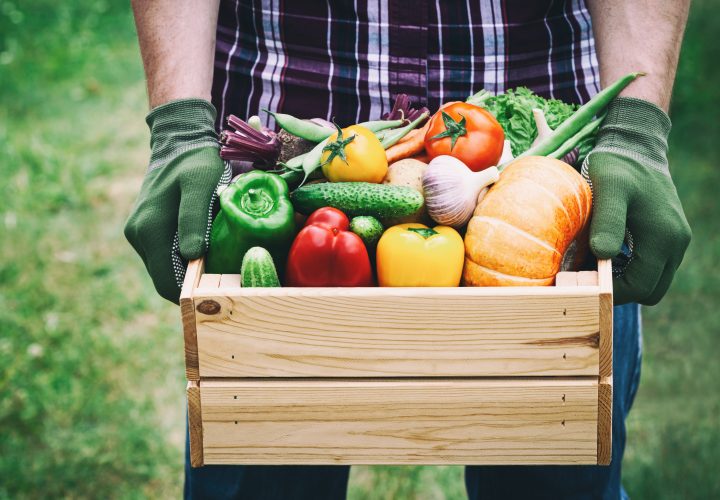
(452, 189)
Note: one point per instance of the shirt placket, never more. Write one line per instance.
(408, 49)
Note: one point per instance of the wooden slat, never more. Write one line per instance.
(209, 281)
(406, 421)
(587, 278)
(187, 309)
(606, 352)
(606, 317)
(195, 424)
(230, 281)
(356, 332)
(604, 430)
(566, 278)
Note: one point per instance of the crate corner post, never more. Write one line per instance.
(195, 428)
(187, 309)
(605, 385)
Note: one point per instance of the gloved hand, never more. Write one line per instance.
(633, 192)
(170, 222)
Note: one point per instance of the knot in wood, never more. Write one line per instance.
(208, 307)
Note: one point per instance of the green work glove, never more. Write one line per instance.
(635, 202)
(170, 222)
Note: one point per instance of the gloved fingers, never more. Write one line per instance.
(146, 226)
(677, 243)
(151, 227)
(661, 235)
(607, 228)
(612, 188)
(194, 220)
(662, 286)
(159, 263)
(197, 193)
(641, 277)
(133, 233)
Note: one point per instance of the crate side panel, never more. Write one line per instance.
(334, 333)
(452, 421)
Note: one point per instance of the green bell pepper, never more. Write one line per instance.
(255, 211)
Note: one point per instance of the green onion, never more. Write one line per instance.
(570, 144)
(391, 138)
(564, 136)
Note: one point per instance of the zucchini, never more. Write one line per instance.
(258, 269)
(368, 228)
(358, 198)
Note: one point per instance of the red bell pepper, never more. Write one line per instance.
(326, 253)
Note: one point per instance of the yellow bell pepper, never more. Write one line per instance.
(416, 255)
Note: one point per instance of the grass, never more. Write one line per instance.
(91, 375)
(90, 370)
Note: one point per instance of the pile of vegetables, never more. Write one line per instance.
(481, 193)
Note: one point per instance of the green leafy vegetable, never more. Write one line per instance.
(513, 110)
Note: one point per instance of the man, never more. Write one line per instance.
(346, 59)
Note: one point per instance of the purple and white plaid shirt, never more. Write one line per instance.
(347, 59)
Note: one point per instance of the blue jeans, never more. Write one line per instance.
(482, 482)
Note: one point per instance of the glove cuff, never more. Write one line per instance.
(638, 129)
(180, 126)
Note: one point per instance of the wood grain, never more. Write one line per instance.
(529, 357)
(566, 278)
(195, 428)
(187, 309)
(587, 278)
(606, 317)
(406, 421)
(605, 390)
(371, 332)
(604, 429)
(229, 281)
(209, 281)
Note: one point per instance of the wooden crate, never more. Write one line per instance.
(516, 375)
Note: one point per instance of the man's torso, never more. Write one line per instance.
(348, 59)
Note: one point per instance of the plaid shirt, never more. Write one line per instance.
(346, 59)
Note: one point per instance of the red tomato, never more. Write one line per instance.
(468, 132)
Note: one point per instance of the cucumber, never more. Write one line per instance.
(258, 269)
(358, 198)
(368, 228)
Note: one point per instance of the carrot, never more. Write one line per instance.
(410, 145)
(413, 144)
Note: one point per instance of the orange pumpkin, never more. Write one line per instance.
(522, 227)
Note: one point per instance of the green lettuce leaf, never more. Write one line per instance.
(513, 110)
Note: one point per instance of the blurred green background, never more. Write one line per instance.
(91, 368)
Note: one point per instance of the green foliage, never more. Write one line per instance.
(697, 88)
(91, 379)
(513, 110)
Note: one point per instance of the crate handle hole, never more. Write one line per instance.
(234, 397)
